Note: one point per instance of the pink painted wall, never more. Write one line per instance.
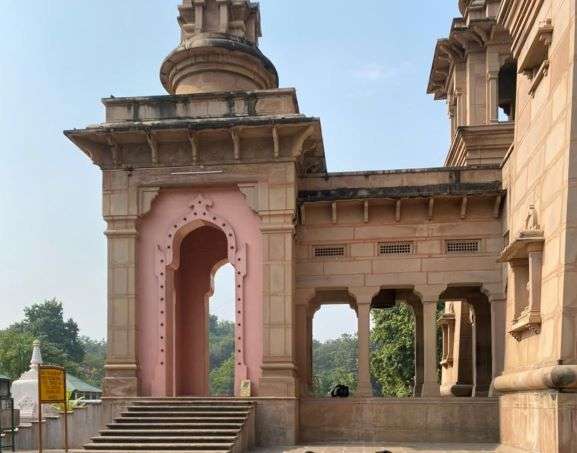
(154, 355)
(200, 252)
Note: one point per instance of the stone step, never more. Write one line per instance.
(211, 424)
(181, 420)
(170, 432)
(185, 408)
(154, 451)
(177, 402)
(203, 411)
(159, 446)
(164, 439)
(191, 425)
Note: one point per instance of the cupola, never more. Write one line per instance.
(218, 50)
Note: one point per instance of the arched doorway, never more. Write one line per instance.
(199, 243)
(201, 252)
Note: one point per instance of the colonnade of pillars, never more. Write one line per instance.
(426, 380)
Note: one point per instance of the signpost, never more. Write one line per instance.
(51, 390)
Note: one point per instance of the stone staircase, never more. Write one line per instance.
(179, 424)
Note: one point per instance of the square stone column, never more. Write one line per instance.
(303, 337)
(279, 377)
(431, 385)
(498, 333)
(121, 363)
(121, 209)
(364, 388)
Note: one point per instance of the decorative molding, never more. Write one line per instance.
(431, 210)
(529, 323)
(398, 208)
(559, 377)
(525, 256)
(153, 145)
(146, 197)
(299, 141)
(276, 141)
(115, 149)
(168, 261)
(464, 207)
(194, 148)
(235, 135)
(535, 64)
(250, 192)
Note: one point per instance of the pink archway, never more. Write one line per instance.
(194, 243)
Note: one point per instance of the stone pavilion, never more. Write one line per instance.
(225, 168)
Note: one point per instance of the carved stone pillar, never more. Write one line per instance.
(278, 368)
(364, 338)
(310, 359)
(121, 206)
(431, 385)
(303, 341)
(121, 364)
(417, 308)
(498, 332)
(492, 97)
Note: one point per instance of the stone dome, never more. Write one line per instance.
(218, 50)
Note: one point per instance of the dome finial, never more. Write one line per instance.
(36, 355)
(218, 49)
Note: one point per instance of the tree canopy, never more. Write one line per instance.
(221, 350)
(392, 358)
(61, 344)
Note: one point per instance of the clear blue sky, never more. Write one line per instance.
(361, 66)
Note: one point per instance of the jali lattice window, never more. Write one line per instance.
(396, 248)
(463, 246)
(329, 251)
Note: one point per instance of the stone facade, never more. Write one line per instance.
(227, 169)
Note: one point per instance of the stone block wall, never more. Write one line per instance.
(83, 424)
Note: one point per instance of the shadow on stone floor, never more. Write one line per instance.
(381, 448)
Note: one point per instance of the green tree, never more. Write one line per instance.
(45, 321)
(92, 367)
(221, 350)
(221, 340)
(222, 378)
(392, 359)
(334, 363)
(15, 352)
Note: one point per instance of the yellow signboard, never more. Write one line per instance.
(245, 389)
(52, 382)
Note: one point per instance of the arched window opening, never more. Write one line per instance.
(467, 361)
(221, 333)
(507, 91)
(334, 349)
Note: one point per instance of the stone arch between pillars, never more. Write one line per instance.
(312, 303)
(388, 297)
(168, 259)
(476, 381)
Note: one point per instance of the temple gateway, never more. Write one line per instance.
(226, 169)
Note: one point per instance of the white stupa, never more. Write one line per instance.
(25, 388)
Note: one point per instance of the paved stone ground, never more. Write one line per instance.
(377, 448)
